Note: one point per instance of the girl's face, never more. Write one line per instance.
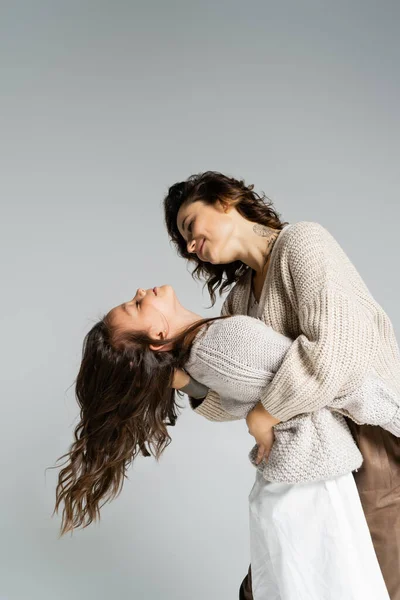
(210, 231)
(154, 311)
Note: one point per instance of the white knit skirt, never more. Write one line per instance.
(310, 541)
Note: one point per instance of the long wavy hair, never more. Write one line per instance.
(126, 402)
(211, 187)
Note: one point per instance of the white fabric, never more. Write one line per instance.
(310, 541)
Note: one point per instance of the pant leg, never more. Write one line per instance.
(245, 592)
(378, 483)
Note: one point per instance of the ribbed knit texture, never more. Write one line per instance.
(238, 358)
(314, 295)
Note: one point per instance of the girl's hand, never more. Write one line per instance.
(260, 424)
(180, 379)
(264, 443)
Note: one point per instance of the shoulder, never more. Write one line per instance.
(304, 232)
(231, 334)
(308, 243)
(225, 332)
(239, 344)
(217, 339)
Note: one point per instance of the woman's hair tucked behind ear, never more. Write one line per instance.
(212, 187)
(126, 402)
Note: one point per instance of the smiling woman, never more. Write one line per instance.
(297, 279)
(211, 219)
(200, 224)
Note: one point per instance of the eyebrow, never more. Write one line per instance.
(124, 307)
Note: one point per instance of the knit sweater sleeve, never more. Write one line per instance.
(210, 407)
(338, 341)
(237, 357)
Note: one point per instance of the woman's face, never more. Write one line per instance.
(154, 311)
(209, 231)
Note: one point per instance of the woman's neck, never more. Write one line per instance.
(257, 242)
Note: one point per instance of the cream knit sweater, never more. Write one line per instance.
(314, 295)
(239, 356)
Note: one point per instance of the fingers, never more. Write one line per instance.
(262, 453)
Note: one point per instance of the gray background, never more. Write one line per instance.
(103, 106)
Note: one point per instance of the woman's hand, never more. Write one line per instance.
(260, 424)
(180, 379)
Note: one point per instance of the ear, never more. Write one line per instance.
(161, 335)
(225, 206)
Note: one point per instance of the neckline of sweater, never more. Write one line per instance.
(249, 271)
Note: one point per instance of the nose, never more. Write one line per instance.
(141, 292)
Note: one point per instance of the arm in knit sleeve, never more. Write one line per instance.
(210, 407)
(238, 358)
(338, 341)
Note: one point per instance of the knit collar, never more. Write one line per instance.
(247, 281)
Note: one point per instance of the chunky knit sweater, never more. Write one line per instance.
(314, 295)
(238, 358)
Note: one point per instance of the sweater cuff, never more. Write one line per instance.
(276, 410)
(211, 408)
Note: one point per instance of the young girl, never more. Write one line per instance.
(305, 489)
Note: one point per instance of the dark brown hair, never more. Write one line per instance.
(126, 402)
(212, 187)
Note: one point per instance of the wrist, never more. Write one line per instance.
(259, 418)
(181, 379)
